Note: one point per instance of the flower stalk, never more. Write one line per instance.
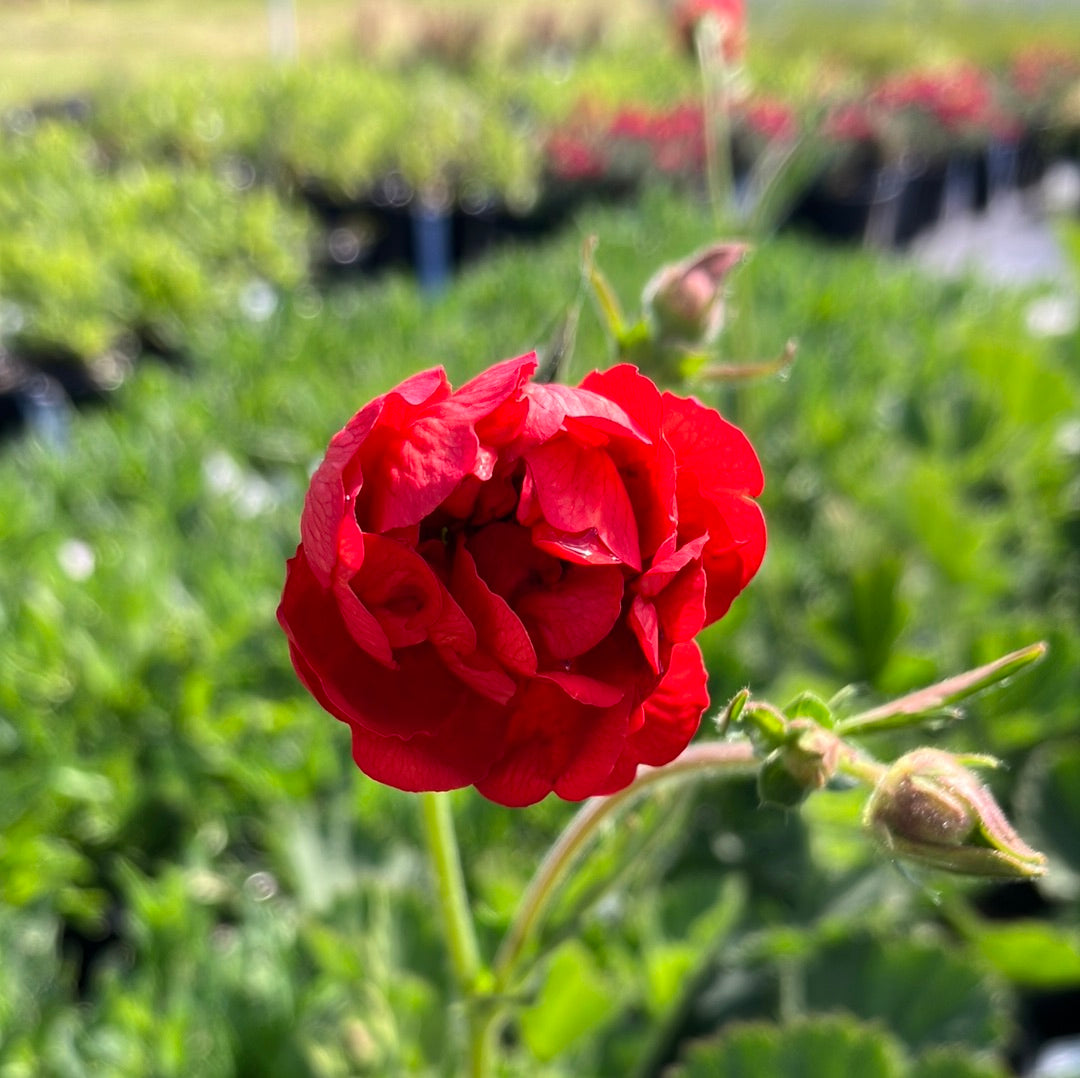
(700, 759)
(926, 807)
(442, 846)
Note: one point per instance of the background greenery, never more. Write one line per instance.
(194, 879)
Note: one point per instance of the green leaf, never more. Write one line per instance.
(924, 993)
(575, 1000)
(667, 968)
(955, 1063)
(808, 705)
(731, 713)
(825, 1047)
(1031, 954)
(606, 300)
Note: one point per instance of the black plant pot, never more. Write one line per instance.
(1031, 159)
(476, 232)
(920, 201)
(849, 204)
(33, 401)
(965, 184)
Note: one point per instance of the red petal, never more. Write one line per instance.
(423, 388)
(746, 525)
(504, 381)
(325, 502)
(507, 560)
(645, 623)
(349, 683)
(499, 630)
(714, 450)
(481, 673)
(663, 570)
(579, 490)
(399, 589)
(555, 743)
(633, 392)
(571, 616)
(670, 599)
(594, 409)
(734, 550)
(673, 712)
(586, 690)
(667, 720)
(550, 405)
(363, 626)
(681, 605)
(648, 472)
(618, 661)
(413, 470)
(339, 477)
(458, 753)
(597, 752)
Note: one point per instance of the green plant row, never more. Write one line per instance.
(174, 197)
(91, 255)
(346, 126)
(444, 136)
(194, 879)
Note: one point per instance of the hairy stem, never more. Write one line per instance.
(704, 758)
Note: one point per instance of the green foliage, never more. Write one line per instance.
(170, 793)
(924, 993)
(574, 1001)
(1049, 806)
(824, 1048)
(342, 126)
(1034, 954)
(90, 256)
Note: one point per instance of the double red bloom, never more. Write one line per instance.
(499, 586)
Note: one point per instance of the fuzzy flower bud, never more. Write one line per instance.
(928, 807)
(684, 301)
(804, 764)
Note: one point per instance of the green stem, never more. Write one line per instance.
(707, 757)
(460, 929)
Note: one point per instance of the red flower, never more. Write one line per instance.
(849, 122)
(1043, 69)
(571, 158)
(731, 16)
(769, 118)
(958, 98)
(499, 586)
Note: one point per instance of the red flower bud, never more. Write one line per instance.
(684, 301)
(928, 807)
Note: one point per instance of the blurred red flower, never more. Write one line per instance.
(499, 586)
(730, 15)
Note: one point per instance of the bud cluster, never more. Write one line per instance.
(928, 806)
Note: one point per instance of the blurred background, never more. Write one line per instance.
(225, 227)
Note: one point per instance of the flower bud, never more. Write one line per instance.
(804, 764)
(684, 301)
(928, 807)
